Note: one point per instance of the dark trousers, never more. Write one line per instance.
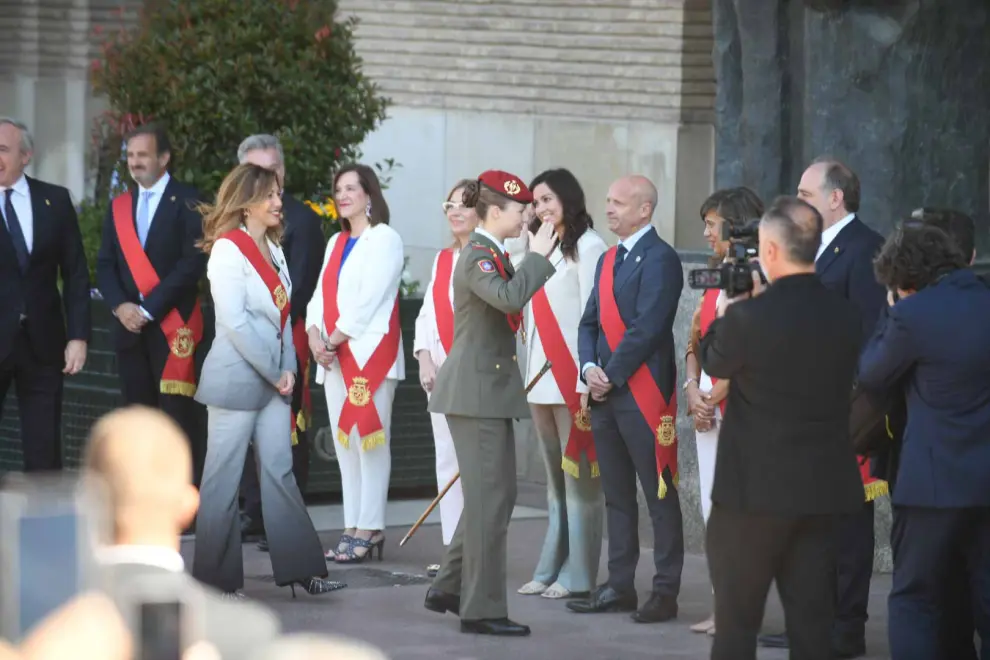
(140, 367)
(38, 387)
(251, 489)
(854, 538)
(929, 545)
(625, 447)
(748, 551)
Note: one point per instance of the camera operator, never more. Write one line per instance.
(934, 337)
(724, 211)
(785, 467)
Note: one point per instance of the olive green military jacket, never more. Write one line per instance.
(480, 377)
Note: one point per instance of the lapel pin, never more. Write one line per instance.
(637, 259)
(837, 249)
(172, 198)
(47, 203)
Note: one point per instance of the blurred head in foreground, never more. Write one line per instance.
(142, 457)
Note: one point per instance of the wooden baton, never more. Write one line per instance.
(436, 500)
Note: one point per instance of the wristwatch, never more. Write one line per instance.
(688, 382)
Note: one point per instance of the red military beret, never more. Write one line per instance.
(507, 185)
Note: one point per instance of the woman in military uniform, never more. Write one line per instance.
(480, 390)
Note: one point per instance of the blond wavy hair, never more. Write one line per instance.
(246, 186)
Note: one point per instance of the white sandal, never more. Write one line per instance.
(556, 591)
(533, 588)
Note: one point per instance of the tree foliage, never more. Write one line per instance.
(215, 71)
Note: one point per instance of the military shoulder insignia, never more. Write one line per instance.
(486, 266)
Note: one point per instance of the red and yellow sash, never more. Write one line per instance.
(442, 306)
(709, 308)
(359, 408)
(268, 274)
(179, 374)
(659, 414)
(303, 418)
(565, 373)
(515, 320)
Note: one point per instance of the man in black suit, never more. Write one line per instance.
(148, 272)
(844, 263)
(304, 244)
(39, 344)
(785, 467)
(626, 349)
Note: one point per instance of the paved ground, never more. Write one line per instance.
(383, 605)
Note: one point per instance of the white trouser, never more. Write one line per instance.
(453, 502)
(707, 442)
(364, 473)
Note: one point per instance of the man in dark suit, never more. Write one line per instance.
(43, 334)
(626, 348)
(304, 244)
(844, 263)
(934, 336)
(148, 272)
(785, 467)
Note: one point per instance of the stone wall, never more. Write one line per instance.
(897, 89)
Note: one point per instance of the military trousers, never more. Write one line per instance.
(474, 565)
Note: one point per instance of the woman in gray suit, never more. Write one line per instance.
(246, 384)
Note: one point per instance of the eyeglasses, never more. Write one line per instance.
(448, 206)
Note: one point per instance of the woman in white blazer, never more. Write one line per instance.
(706, 395)
(353, 329)
(246, 385)
(568, 564)
(434, 336)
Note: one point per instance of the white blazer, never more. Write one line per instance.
(366, 291)
(568, 292)
(427, 331)
(251, 348)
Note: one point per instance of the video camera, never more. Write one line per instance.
(735, 276)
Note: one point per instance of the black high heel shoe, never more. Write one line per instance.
(315, 586)
(351, 557)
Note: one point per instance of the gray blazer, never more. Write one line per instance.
(251, 349)
(236, 628)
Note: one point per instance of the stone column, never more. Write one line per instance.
(898, 90)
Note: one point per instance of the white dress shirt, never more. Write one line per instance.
(149, 555)
(498, 243)
(21, 200)
(828, 235)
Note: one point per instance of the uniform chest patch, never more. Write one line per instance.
(486, 266)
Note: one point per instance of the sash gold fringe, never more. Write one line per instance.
(178, 387)
(301, 421)
(369, 442)
(662, 491)
(573, 468)
(376, 439)
(876, 489)
(295, 438)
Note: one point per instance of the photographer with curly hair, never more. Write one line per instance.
(934, 337)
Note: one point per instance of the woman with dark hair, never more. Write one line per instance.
(353, 328)
(480, 390)
(931, 340)
(568, 564)
(735, 207)
(431, 345)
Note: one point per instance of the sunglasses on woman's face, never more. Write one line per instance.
(448, 206)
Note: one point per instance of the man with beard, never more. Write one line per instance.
(303, 244)
(148, 272)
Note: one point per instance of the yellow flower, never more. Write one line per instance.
(325, 210)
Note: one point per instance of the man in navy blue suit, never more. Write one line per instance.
(934, 336)
(626, 348)
(844, 264)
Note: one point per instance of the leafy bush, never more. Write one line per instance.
(215, 71)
